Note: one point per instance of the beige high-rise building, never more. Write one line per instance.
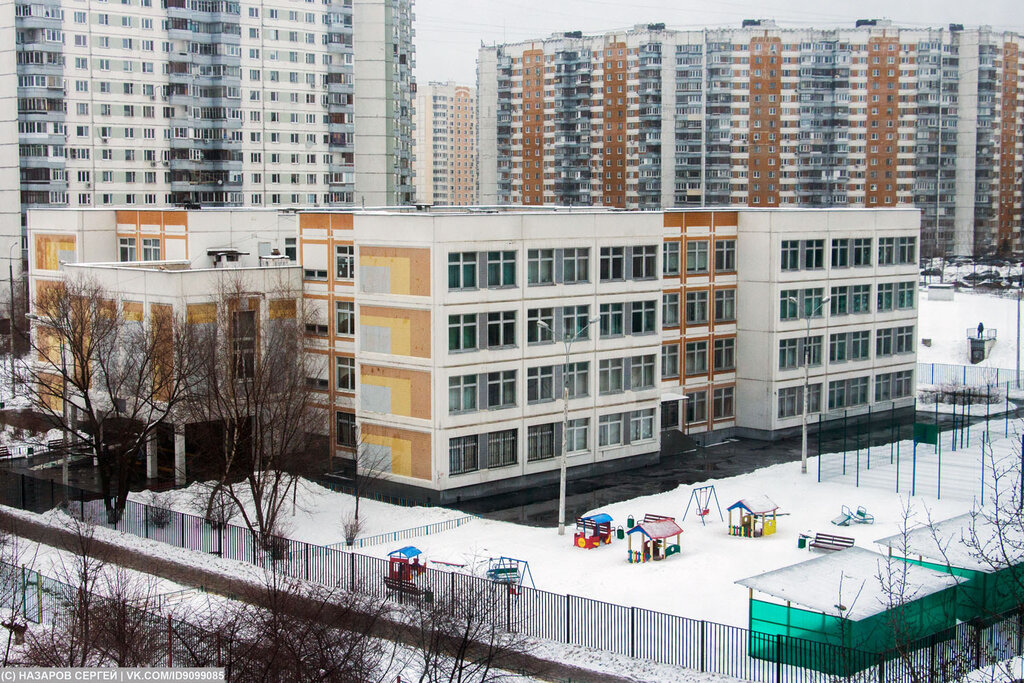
(445, 144)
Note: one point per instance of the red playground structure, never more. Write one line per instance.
(593, 530)
(404, 565)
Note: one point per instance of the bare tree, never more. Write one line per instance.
(107, 374)
(285, 629)
(468, 636)
(370, 466)
(256, 396)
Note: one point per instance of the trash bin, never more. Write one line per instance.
(630, 523)
(620, 533)
(801, 541)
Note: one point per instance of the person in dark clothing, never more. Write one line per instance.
(981, 330)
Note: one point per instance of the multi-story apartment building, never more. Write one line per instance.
(872, 116)
(213, 102)
(445, 144)
(444, 330)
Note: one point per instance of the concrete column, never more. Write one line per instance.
(151, 468)
(179, 454)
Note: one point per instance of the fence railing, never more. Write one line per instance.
(636, 632)
(403, 534)
(966, 375)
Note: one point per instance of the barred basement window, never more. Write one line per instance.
(540, 442)
(502, 448)
(462, 455)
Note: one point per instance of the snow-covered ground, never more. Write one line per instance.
(946, 323)
(318, 514)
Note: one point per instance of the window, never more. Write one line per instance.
(641, 373)
(814, 254)
(860, 299)
(886, 253)
(345, 429)
(696, 308)
(643, 317)
(724, 357)
(502, 448)
(696, 357)
(790, 255)
(344, 318)
(576, 438)
(609, 430)
(575, 265)
(462, 332)
(537, 333)
(725, 305)
(462, 393)
(886, 296)
(312, 274)
(540, 442)
(789, 310)
(840, 253)
(501, 269)
(501, 329)
(670, 309)
(725, 256)
(150, 249)
(840, 301)
(344, 256)
(645, 260)
(813, 302)
(540, 384)
(789, 353)
(845, 393)
(846, 346)
(540, 267)
(904, 295)
(610, 375)
(669, 361)
(576, 377)
(641, 425)
(613, 261)
(906, 250)
(862, 251)
(501, 389)
(696, 256)
(462, 270)
(892, 385)
(243, 343)
(722, 404)
(126, 246)
(462, 454)
(611, 320)
(345, 372)
(575, 320)
(697, 407)
(670, 258)
(791, 401)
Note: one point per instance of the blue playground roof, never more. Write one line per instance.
(599, 518)
(408, 551)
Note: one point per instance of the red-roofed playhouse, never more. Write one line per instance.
(654, 530)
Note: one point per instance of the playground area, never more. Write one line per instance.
(696, 578)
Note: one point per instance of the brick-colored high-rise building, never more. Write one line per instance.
(874, 115)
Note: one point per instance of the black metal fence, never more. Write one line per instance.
(665, 638)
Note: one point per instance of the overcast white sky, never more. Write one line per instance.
(449, 32)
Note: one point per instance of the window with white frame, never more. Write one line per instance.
(670, 361)
(610, 375)
(670, 258)
(697, 308)
(345, 373)
(462, 332)
(462, 270)
(641, 372)
(501, 389)
(722, 404)
(462, 394)
(575, 321)
(613, 260)
(725, 256)
(344, 260)
(725, 305)
(344, 318)
(696, 257)
(611, 320)
(641, 425)
(150, 249)
(645, 262)
(643, 317)
(536, 333)
(670, 309)
(577, 379)
(540, 267)
(577, 436)
(609, 430)
(501, 329)
(501, 269)
(696, 357)
(575, 265)
(540, 384)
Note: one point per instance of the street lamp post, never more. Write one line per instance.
(10, 272)
(807, 387)
(63, 407)
(567, 341)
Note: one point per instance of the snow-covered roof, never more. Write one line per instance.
(659, 528)
(950, 542)
(757, 505)
(854, 579)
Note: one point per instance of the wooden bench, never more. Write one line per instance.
(831, 542)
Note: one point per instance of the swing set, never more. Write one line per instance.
(702, 496)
